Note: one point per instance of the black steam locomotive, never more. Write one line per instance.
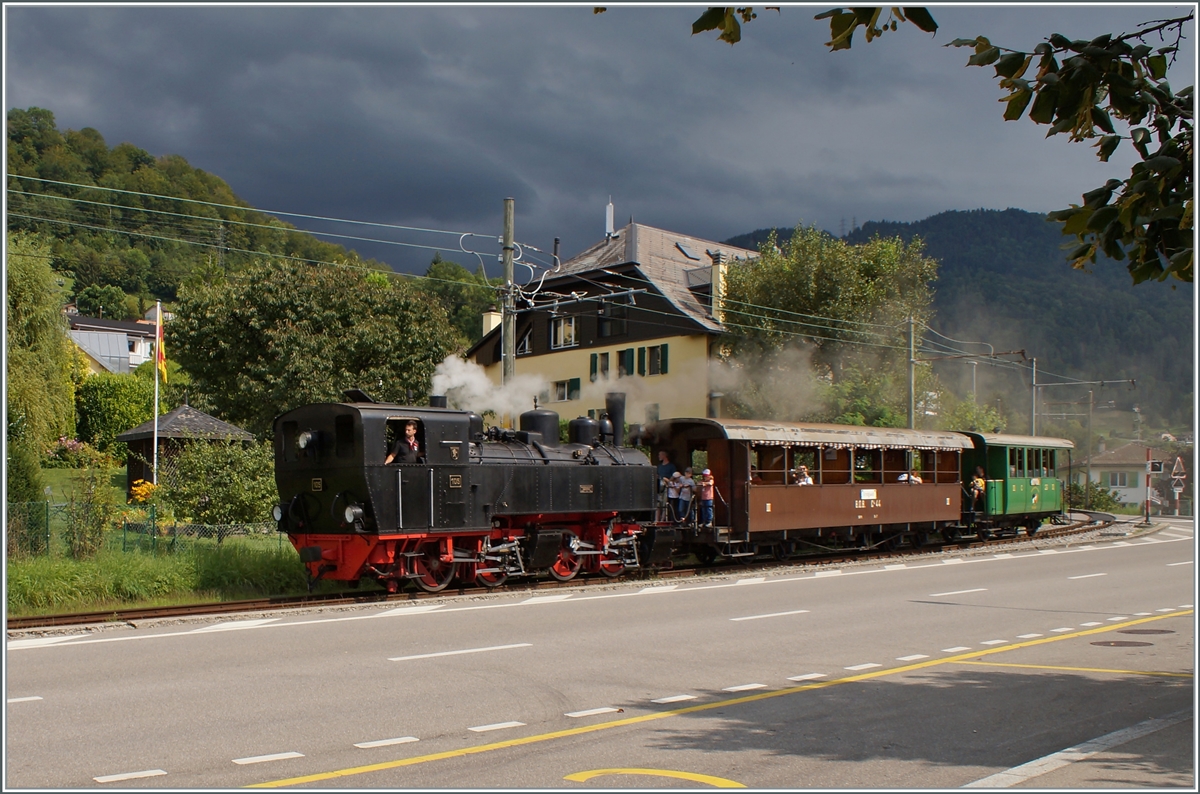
(482, 505)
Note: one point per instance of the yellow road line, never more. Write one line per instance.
(718, 782)
(1081, 669)
(602, 726)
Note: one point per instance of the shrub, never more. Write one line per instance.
(222, 483)
(24, 475)
(1098, 498)
(90, 514)
(70, 453)
(109, 405)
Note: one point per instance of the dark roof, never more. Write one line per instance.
(186, 422)
(80, 323)
(1129, 454)
(669, 263)
(809, 433)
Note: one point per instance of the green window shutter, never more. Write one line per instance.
(641, 361)
(573, 389)
(594, 367)
(627, 355)
(662, 361)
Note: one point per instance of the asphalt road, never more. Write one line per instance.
(1066, 667)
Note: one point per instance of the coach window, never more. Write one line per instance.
(1050, 461)
(807, 457)
(1035, 463)
(948, 463)
(868, 465)
(1016, 462)
(771, 461)
(895, 463)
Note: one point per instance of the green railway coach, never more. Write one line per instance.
(1021, 472)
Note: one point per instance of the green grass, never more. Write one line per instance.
(63, 482)
(115, 579)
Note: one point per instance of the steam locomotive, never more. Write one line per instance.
(489, 505)
(480, 505)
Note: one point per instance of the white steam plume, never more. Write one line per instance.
(467, 387)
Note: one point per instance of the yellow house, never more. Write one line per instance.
(635, 313)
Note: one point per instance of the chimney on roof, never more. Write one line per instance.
(609, 230)
(717, 280)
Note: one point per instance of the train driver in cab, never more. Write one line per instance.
(407, 448)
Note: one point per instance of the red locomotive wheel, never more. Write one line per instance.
(610, 565)
(568, 563)
(433, 575)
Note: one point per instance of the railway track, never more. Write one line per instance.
(821, 558)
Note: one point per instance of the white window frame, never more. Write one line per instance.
(525, 346)
(563, 333)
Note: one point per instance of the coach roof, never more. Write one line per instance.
(814, 434)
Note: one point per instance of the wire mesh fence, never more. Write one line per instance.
(77, 529)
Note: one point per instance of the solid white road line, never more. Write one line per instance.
(866, 666)
(546, 599)
(772, 615)
(1185, 562)
(129, 776)
(591, 712)
(1048, 763)
(25, 699)
(911, 658)
(828, 573)
(495, 727)
(421, 610)
(958, 592)
(1087, 576)
(456, 653)
(744, 687)
(956, 649)
(951, 561)
(386, 742)
(258, 759)
(666, 588)
(1121, 543)
(234, 625)
(807, 677)
(894, 567)
(674, 699)
(1002, 556)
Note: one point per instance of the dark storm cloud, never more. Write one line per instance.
(430, 116)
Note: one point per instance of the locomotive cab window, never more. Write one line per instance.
(399, 443)
(289, 441)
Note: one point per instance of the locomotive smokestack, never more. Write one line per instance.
(437, 401)
(614, 403)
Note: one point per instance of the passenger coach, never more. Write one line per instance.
(862, 493)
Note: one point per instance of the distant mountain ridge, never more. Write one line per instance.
(1004, 279)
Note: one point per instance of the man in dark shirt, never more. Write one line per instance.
(406, 449)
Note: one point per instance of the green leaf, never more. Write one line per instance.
(1158, 66)
(827, 14)
(988, 56)
(1017, 102)
(1162, 164)
(963, 43)
(1103, 217)
(1101, 120)
(1140, 51)
(1107, 145)
(1077, 222)
(1012, 64)
(922, 19)
(711, 19)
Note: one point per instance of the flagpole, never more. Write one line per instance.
(158, 339)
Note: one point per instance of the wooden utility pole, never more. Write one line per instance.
(508, 318)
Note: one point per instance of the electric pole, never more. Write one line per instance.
(912, 377)
(508, 319)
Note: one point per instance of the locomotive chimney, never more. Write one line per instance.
(614, 404)
(437, 401)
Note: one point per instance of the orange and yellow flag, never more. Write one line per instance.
(160, 352)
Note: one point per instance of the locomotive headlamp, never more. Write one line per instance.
(353, 513)
(277, 512)
(305, 439)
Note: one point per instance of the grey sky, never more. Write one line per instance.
(430, 115)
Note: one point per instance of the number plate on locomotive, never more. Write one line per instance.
(586, 488)
(318, 484)
(455, 480)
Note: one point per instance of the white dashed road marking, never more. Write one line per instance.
(456, 653)
(1119, 617)
(674, 699)
(495, 727)
(1168, 609)
(386, 742)
(911, 658)
(866, 666)
(993, 642)
(591, 712)
(807, 677)
(1087, 576)
(1060, 631)
(894, 567)
(25, 700)
(129, 776)
(258, 759)
(1092, 623)
(1185, 562)
(1027, 636)
(773, 615)
(958, 592)
(956, 649)
(744, 687)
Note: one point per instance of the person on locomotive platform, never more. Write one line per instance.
(674, 483)
(707, 486)
(978, 486)
(407, 448)
(687, 487)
